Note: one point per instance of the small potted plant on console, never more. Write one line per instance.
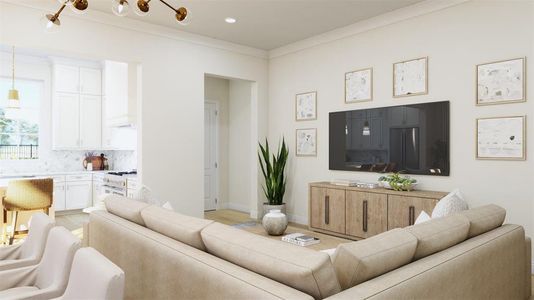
(397, 182)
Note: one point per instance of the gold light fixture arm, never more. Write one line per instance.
(181, 12)
(56, 15)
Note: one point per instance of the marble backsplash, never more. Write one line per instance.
(69, 161)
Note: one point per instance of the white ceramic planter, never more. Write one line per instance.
(275, 222)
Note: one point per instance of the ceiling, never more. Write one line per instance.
(263, 24)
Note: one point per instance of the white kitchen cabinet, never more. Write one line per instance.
(79, 194)
(90, 122)
(59, 196)
(66, 78)
(66, 128)
(90, 81)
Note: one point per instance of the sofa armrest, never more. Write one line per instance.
(528, 274)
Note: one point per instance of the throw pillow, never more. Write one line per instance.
(423, 217)
(452, 203)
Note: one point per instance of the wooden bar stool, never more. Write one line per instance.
(25, 195)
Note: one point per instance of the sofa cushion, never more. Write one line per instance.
(182, 228)
(439, 234)
(125, 208)
(484, 218)
(304, 269)
(360, 261)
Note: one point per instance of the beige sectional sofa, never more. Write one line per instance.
(166, 255)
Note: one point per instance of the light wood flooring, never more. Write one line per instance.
(232, 217)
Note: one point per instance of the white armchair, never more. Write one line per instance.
(94, 277)
(29, 252)
(49, 278)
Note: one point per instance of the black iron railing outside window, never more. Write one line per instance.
(19, 151)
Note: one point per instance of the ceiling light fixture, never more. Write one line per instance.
(230, 20)
(51, 21)
(120, 8)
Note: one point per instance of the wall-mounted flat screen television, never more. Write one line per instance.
(411, 139)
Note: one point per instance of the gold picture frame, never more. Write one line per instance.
(523, 147)
(297, 118)
(299, 153)
(370, 98)
(409, 94)
(523, 84)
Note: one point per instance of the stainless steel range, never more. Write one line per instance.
(116, 182)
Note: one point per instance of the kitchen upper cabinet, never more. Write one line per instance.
(90, 81)
(90, 122)
(66, 79)
(79, 194)
(77, 108)
(117, 138)
(66, 126)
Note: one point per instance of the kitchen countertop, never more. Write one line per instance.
(52, 173)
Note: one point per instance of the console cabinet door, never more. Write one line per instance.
(366, 214)
(327, 209)
(402, 210)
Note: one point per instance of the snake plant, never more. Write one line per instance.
(273, 172)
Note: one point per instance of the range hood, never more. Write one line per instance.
(122, 83)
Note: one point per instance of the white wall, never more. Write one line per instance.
(218, 90)
(240, 157)
(171, 120)
(455, 40)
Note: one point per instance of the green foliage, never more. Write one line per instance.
(273, 172)
(397, 182)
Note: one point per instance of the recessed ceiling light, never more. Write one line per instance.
(230, 20)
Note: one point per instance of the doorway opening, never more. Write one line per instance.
(227, 140)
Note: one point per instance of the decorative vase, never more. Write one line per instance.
(268, 207)
(275, 222)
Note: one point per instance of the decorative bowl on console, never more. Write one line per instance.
(397, 182)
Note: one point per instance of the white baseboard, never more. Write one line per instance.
(254, 214)
(297, 219)
(239, 207)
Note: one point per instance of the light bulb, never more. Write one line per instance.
(183, 16)
(120, 7)
(50, 23)
(141, 8)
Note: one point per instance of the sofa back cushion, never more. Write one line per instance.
(125, 208)
(304, 269)
(360, 261)
(484, 218)
(182, 228)
(439, 234)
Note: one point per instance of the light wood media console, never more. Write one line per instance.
(356, 213)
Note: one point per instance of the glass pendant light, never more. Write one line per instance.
(120, 7)
(13, 101)
(141, 8)
(183, 16)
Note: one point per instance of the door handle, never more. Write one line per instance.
(327, 209)
(364, 216)
(411, 215)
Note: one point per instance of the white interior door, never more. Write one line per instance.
(210, 155)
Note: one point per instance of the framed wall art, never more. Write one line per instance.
(306, 142)
(501, 138)
(359, 85)
(501, 82)
(306, 106)
(410, 78)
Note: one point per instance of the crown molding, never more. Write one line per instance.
(143, 27)
(399, 15)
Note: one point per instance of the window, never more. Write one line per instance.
(19, 129)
